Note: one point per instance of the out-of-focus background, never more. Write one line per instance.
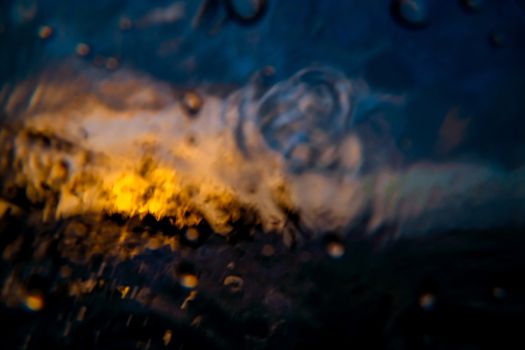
(454, 71)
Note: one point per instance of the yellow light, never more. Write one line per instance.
(126, 191)
(124, 290)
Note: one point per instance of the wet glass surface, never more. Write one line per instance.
(259, 174)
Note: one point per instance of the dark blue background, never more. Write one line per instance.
(450, 62)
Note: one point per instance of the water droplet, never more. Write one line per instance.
(234, 283)
(304, 115)
(191, 103)
(410, 13)
(82, 49)
(45, 32)
(190, 297)
(427, 301)
(335, 249)
(197, 321)
(189, 280)
(81, 313)
(112, 63)
(192, 234)
(268, 250)
(34, 302)
(167, 337)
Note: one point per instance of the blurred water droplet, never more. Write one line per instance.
(166, 338)
(301, 117)
(190, 297)
(234, 283)
(268, 250)
(45, 32)
(427, 301)
(335, 249)
(410, 13)
(34, 302)
(301, 155)
(197, 321)
(25, 11)
(192, 234)
(191, 102)
(112, 63)
(82, 49)
(188, 280)
(81, 313)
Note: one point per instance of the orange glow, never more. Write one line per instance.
(335, 249)
(167, 337)
(189, 280)
(192, 234)
(34, 302)
(45, 32)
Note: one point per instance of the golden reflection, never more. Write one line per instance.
(34, 302)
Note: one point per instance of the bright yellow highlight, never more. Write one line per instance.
(161, 193)
(124, 290)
